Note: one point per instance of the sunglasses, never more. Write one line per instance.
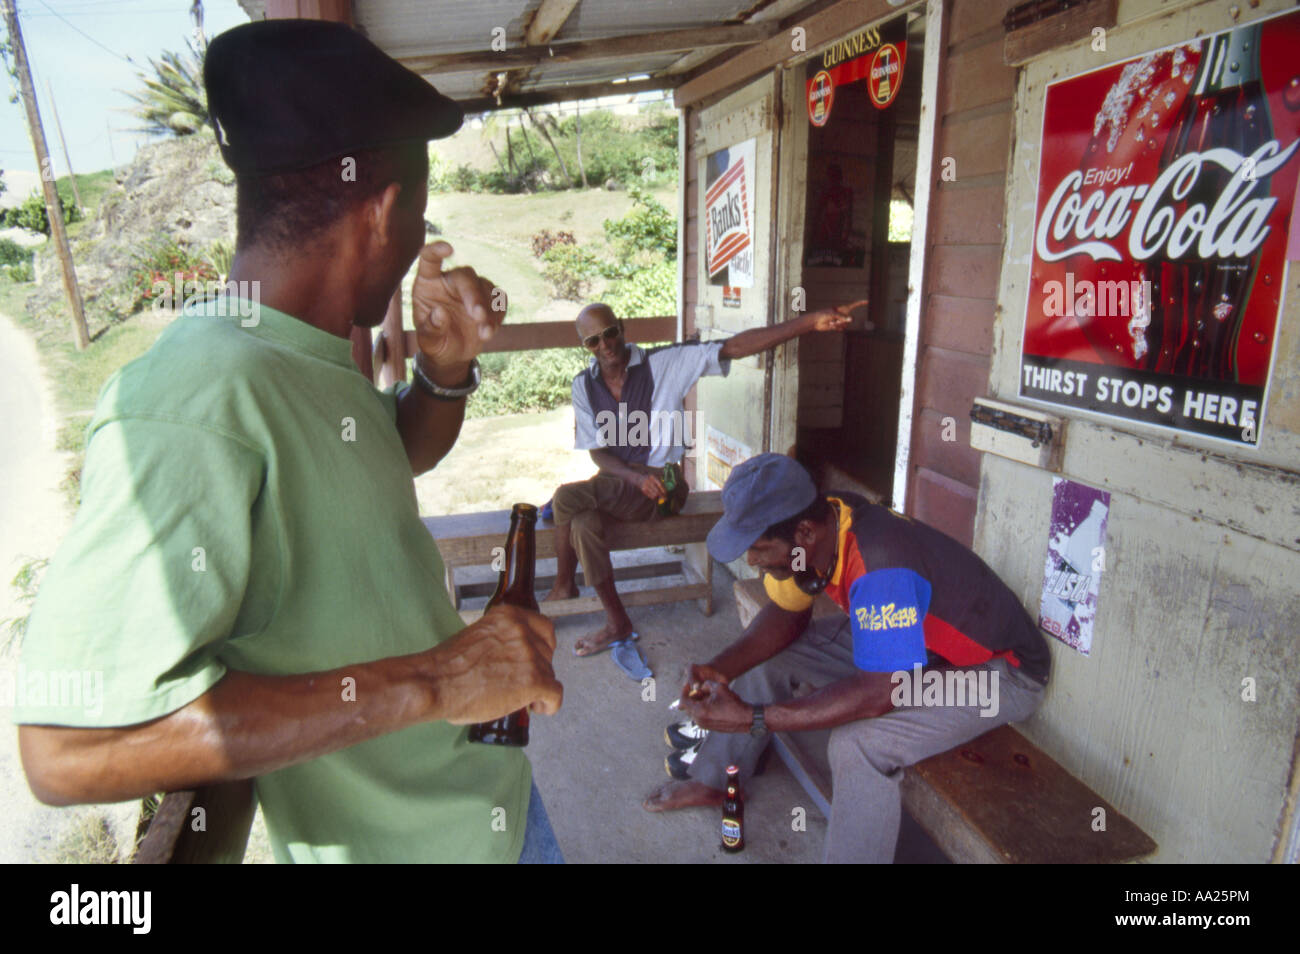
(609, 334)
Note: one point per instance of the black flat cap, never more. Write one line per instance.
(288, 94)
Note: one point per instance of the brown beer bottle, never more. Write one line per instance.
(514, 588)
(733, 813)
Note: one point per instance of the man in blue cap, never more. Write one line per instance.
(248, 571)
(915, 598)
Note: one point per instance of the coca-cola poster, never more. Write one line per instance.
(1165, 193)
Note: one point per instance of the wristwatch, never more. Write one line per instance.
(759, 727)
(431, 388)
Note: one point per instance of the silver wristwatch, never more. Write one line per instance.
(759, 727)
(448, 394)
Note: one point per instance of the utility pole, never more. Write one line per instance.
(53, 206)
(67, 159)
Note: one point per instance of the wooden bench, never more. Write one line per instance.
(209, 825)
(468, 540)
(995, 799)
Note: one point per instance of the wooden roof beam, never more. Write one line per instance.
(566, 94)
(613, 48)
(548, 20)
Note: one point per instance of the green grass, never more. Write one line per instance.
(13, 296)
(493, 234)
(26, 581)
(482, 472)
(87, 841)
(513, 219)
(507, 266)
(92, 187)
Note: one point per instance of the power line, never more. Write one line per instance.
(82, 7)
(133, 12)
(108, 13)
(125, 59)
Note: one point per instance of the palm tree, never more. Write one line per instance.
(173, 102)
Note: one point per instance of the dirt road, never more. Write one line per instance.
(33, 517)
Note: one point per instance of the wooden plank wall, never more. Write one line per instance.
(691, 262)
(975, 130)
(850, 140)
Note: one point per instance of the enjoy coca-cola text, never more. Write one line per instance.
(1234, 226)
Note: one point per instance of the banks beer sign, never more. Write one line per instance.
(1165, 192)
(729, 215)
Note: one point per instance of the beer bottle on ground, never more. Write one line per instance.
(514, 588)
(733, 813)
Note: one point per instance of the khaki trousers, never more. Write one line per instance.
(586, 505)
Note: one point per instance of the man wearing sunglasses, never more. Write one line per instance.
(626, 382)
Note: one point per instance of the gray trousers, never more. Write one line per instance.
(867, 757)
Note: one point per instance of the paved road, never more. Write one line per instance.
(33, 517)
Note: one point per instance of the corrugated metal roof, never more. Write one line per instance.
(413, 31)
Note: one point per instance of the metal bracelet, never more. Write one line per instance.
(429, 387)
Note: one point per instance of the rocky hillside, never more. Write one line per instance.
(177, 188)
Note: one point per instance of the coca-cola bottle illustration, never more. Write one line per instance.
(1198, 304)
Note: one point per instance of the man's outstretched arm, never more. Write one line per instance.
(761, 339)
(248, 725)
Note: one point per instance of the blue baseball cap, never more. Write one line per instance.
(762, 491)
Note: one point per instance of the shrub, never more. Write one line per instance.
(531, 173)
(443, 177)
(11, 253)
(164, 260)
(439, 173)
(649, 227)
(646, 154)
(31, 214)
(222, 256)
(648, 292)
(218, 171)
(466, 179)
(613, 150)
(545, 240)
(569, 270)
(19, 272)
(528, 381)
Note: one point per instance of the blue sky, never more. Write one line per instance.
(89, 72)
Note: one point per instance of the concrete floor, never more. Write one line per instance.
(605, 750)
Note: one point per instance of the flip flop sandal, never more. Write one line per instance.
(627, 656)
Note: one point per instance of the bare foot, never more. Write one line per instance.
(559, 592)
(671, 796)
(599, 642)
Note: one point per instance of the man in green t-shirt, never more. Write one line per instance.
(247, 579)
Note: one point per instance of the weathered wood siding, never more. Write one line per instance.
(976, 93)
(1185, 712)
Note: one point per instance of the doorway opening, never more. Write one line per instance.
(861, 181)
